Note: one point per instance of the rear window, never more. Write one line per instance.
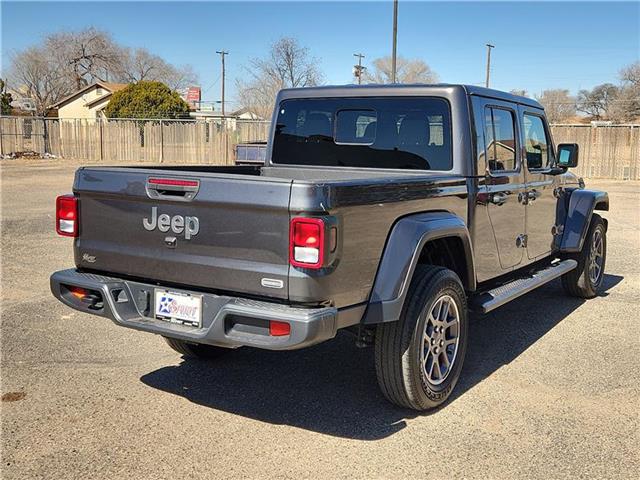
(402, 133)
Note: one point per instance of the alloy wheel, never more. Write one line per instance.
(596, 257)
(441, 337)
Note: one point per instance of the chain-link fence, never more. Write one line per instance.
(611, 151)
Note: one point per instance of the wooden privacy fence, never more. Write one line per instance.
(131, 141)
(605, 151)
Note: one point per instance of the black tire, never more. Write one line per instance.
(580, 281)
(401, 361)
(195, 350)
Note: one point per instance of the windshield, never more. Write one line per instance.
(403, 133)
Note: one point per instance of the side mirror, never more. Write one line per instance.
(568, 155)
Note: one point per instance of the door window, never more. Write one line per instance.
(500, 139)
(536, 142)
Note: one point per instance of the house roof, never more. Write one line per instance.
(99, 99)
(111, 87)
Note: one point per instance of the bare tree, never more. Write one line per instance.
(70, 60)
(558, 104)
(631, 74)
(598, 101)
(37, 76)
(521, 93)
(407, 71)
(626, 106)
(137, 65)
(140, 64)
(288, 65)
(177, 78)
(87, 56)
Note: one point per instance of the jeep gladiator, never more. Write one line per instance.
(385, 211)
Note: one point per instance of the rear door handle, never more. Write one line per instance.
(523, 198)
(498, 198)
(532, 195)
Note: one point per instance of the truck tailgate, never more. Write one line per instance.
(231, 236)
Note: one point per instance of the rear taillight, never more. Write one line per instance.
(67, 215)
(306, 247)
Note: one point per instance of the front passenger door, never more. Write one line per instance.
(541, 202)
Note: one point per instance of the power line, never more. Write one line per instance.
(211, 86)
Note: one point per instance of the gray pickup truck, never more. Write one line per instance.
(384, 211)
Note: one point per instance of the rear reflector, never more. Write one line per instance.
(67, 216)
(306, 242)
(279, 329)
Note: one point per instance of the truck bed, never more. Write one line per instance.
(243, 215)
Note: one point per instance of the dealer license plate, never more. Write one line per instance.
(178, 307)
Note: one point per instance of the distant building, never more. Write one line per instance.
(24, 105)
(88, 102)
(231, 118)
(246, 114)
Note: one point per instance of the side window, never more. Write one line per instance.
(500, 139)
(536, 143)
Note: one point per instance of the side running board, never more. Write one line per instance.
(492, 299)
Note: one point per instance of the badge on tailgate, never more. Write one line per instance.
(189, 225)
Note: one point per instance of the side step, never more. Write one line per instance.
(492, 299)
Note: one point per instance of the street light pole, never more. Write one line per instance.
(489, 47)
(395, 41)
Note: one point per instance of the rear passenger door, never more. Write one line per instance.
(538, 152)
(502, 187)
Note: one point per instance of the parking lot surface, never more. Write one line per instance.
(550, 388)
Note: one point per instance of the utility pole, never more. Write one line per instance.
(358, 69)
(489, 47)
(222, 53)
(395, 41)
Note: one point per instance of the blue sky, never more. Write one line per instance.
(539, 45)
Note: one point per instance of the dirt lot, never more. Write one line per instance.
(551, 385)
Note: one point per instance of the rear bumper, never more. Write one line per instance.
(226, 321)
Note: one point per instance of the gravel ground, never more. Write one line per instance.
(550, 388)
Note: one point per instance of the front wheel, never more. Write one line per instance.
(419, 357)
(585, 280)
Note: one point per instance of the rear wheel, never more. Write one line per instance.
(419, 357)
(195, 350)
(585, 280)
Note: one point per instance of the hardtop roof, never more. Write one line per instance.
(399, 89)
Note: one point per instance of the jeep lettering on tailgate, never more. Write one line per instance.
(178, 224)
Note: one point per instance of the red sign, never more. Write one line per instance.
(193, 94)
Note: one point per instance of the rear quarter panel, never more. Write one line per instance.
(365, 213)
